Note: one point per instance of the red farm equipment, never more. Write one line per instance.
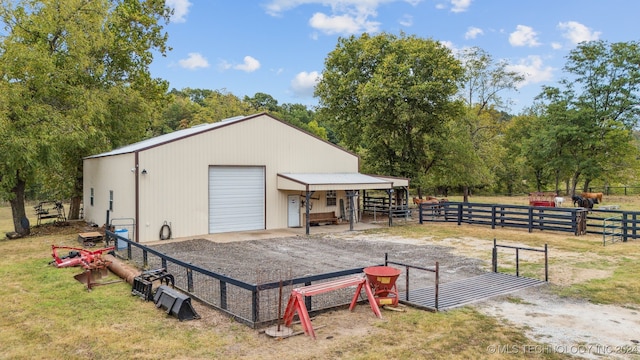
(544, 199)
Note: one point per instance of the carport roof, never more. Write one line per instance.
(332, 181)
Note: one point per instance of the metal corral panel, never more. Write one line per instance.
(236, 199)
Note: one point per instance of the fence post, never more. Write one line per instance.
(307, 299)
(407, 282)
(189, 280)
(493, 216)
(255, 305)
(546, 264)
(517, 262)
(530, 218)
(459, 213)
(625, 226)
(494, 256)
(437, 289)
(223, 295)
(420, 213)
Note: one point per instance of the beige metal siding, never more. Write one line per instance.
(105, 174)
(175, 186)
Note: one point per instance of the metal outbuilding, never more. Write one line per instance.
(244, 173)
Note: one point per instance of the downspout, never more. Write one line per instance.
(137, 201)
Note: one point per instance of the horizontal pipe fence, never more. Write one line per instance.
(564, 219)
(255, 305)
(494, 257)
(435, 270)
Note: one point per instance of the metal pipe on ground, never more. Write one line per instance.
(126, 272)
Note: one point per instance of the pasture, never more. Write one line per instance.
(46, 313)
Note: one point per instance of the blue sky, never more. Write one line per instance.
(278, 47)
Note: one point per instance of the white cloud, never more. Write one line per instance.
(524, 36)
(533, 69)
(304, 83)
(194, 61)
(180, 10)
(576, 32)
(473, 32)
(342, 24)
(346, 16)
(556, 46)
(250, 64)
(406, 21)
(460, 5)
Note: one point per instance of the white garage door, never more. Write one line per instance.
(236, 199)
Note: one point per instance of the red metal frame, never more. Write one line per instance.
(88, 260)
(545, 199)
(296, 299)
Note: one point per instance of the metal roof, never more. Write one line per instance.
(331, 181)
(176, 135)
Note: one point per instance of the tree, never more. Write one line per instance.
(74, 81)
(385, 96)
(479, 129)
(596, 109)
(262, 101)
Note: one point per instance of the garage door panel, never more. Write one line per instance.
(236, 199)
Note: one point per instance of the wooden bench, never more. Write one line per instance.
(323, 217)
(296, 299)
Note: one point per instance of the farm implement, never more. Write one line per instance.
(94, 266)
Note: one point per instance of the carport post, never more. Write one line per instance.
(390, 193)
(350, 195)
(306, 204)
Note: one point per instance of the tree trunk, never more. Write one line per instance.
(586, 185)
(76, 198)
(574, 182)
(465, 194)
(20, 221)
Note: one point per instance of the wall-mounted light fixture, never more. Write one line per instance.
(144, 171)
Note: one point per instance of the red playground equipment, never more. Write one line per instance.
(382, 280)
(545, 199)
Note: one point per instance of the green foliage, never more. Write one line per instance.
(386, 96)
(74, 82)
(587, 125)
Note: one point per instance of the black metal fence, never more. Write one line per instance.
(574, 220)
(494, 257)
(255, 305)
(407, 299)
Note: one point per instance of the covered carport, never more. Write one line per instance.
(309, 183)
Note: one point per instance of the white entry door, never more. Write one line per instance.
(294, 211)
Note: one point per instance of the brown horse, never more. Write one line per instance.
(428, 200)
(588, 195)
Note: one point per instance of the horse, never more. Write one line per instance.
(433, 201)
(558, 201)
(583, 202)
(589, 195)
(428, 200)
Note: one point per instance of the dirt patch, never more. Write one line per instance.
(568, 325)
(302, 256)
